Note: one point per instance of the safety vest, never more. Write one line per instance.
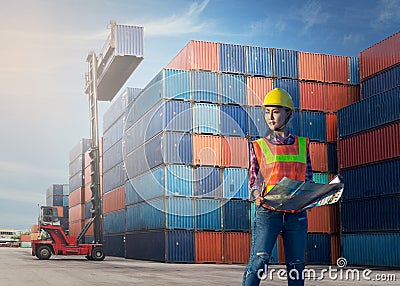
(278, 161)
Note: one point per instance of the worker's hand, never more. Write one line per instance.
(259, 200)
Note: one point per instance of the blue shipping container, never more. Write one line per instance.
(179, 212)
(114, 178)
(114, 112)
(204, 86)
(208, 182)
(79, 149)
(113, 134)
(313, 125)
(259, 61)
(234, 121)
(292, 87)
(372, 249)
(146, 245)
(318, 248)
(112, 156)
(381, 82)
(76, 181)
(257, 125)
(146, 215)
(208, 214)
(236, 183)
(179, 180)
(285, 63)
(236, 215)
(233, 89)
(114, 245)
(114, 222)
(354, 70)
(232, 58)
(77, 165)
(206, 118)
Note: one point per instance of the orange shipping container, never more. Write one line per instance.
(311, 66)
(35, 228)
(324, 219)
(235, 152)
(336, 69)
(77, 212)
(87, 174)
(197, 55)
(76, 197)
(312, 96)
(209, 247)
(87, 193)
(114, 200)
(237, 247)
(60, 211)
(335, 248)
(257, 88)
(331, 127)
(90, 231)
(25, 238)
(319, 156)
(75, 227)
(207, 150)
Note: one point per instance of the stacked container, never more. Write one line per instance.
(57, 196)
(114, 175)
(369, 160)
(76, 196)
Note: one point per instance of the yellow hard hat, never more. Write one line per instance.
(278, 97)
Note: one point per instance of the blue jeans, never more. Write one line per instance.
(267, 225)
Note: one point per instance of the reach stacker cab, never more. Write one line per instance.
(52, 239)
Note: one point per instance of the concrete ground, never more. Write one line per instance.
(19, 268)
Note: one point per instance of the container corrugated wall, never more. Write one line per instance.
(259, 61)
(236, 214)
(235, 152)
(206, 150)
(257, 88)
(235, 183)
(208, 182)
(285, 63)
(232, 58)
(336, 69)
(234, 120)
(236, 247)
(114, 200)
(233, 89)
(319, 156)
(206, 118)
(204, 86)
(179, 180)
(114, 222)
(312, 96)
(311, 66)
(114, 245)
(129, 40)
(209, 247)
(354, 70)
(381, 82)
(324, 219)
(208, 214)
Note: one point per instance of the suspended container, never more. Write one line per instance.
(206, 118)
(372, 184)
(208, 214)
(292, 87)
(204, 87)
(257, 88)
(197, 55)
(361, 249)
(121, 54)
(285, 63)
(233, 89)
(259, 61)
(311, 66)
(234, 120)
(232, 58)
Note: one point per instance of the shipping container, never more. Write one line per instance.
(76, 213)
(331, 127)
(380, 56)
(179, 180)
(90, 232)
(372, 249)
(208, 182)
(54, 190)
(259, 61)
(332, 158)
(236, 183)
(114, 111)
(114, 222)
(235, 152)
(381, 82)
(322, 248)
(208, 214)
(114, 178)
(197, 55)
(232, 58)
(336, 69)
(365, 147)
(367, 181)
(313, 125)
(320, 178)
(354, 70)
(206, 118)
(113, 134)
(179, 212)
(208, 247)
(77, 165)
(75, 227)
(257, 125)
(312, 96)
(114, 245)
(236, 215)
(54, 201)
(257, 88)
(233, 120)
(233, 89)
(87, 212)
(204, 86)
(236, 247)
(319, 156)
(130, 94)
(324, 219)
(111, 158)
(369, 113)
(76, 197)
(337, 96)
(207, 149)
(114, 200)
(80, 148)
(372, 214)
(285, 63)
(311, 66)
(292, 87)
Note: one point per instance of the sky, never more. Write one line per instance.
(44, 44)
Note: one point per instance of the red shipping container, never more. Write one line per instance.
(87, 193)
(312, 96)
(376, 145)
(197, 55)
(319, 156)
(208, 247)
(336, 69)
(76, 197)
(335, 248)
(87, 175)
(60, 210)
(35, 228)
(75, 227)
(257, 88)
(235, 152)
(207, 150)
(25, 238)
(324, 219)
(236, 247)
(336, 97)
(380, 56)
(114, 200)
(331, 127)
(311, 66)
(77, 212)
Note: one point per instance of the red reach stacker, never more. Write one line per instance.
(53, 239)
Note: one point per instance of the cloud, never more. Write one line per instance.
(388, 13)
(267, 27)
(179, 24)
(312, 14)
(352, 39)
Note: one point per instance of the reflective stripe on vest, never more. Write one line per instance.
(274, 167)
